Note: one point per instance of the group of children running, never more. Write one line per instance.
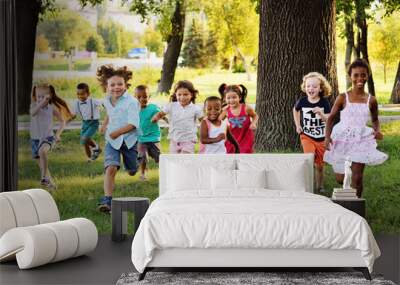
(227, 124)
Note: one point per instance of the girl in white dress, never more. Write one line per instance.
(351, 138)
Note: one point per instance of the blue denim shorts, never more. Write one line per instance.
(112, 156)
(36, 144)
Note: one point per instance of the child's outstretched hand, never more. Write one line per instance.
(299, 129)
(57, 138)
(253, 126)
(328, 142)
(378, 135)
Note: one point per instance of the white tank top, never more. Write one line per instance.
(42, 123)
(213, 132)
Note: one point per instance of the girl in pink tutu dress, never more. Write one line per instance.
(351, 137)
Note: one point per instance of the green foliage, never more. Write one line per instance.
(116, 39)
(42, 44)
(66, 30)
(95, 43)
(152, 39)
(193, 52)
(234, 24)
(384, 40)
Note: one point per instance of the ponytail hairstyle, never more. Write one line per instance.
(105, 72)
(240, 90)
(189, 86)
(60, 104)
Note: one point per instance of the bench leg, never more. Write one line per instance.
(364, 271)
(143, 274)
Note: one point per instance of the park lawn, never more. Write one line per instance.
(62, 64)
(80, 184)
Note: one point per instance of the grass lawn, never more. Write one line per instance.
(80, 184)
(62, 64)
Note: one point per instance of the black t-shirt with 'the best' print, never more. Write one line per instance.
(312, 124)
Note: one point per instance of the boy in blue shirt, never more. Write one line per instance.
(149, 140)
(121, 128)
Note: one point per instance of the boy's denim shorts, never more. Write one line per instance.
(36, 144)
(112, 156)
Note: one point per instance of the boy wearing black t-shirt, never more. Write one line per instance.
(310, 114)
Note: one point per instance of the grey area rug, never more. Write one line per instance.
(243, 278)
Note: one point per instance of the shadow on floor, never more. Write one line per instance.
(110, 259)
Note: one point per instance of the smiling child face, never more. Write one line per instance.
(116, 86)
(213, 109)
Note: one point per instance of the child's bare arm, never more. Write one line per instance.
(60, 119)
(34, 109)
(296, 118)
(103, 127)
(254, 117)
(223, 114)
(158, 116)
(319, 111)
(125, 129)
(373, 106)
(204, 138)
(339, 103)
(232, 140)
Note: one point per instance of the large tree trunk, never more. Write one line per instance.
(395, 97)
(27, 15)
(289, 49)
(349, 33)
(363, 40)
(173, 48)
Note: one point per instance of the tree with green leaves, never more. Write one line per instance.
(42, 44)
(384, 42)
(235, 26)
(27, 13)
(193, 52)
(152, 39)
(65, 30)
(357, 13)
(95, 43)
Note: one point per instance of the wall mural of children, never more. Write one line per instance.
(241, 117)
(120, 127)
(351, 137)
(89, 110)
(310, 114)
(44, 106)
(183, 116)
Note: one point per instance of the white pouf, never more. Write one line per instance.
(31, 233)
